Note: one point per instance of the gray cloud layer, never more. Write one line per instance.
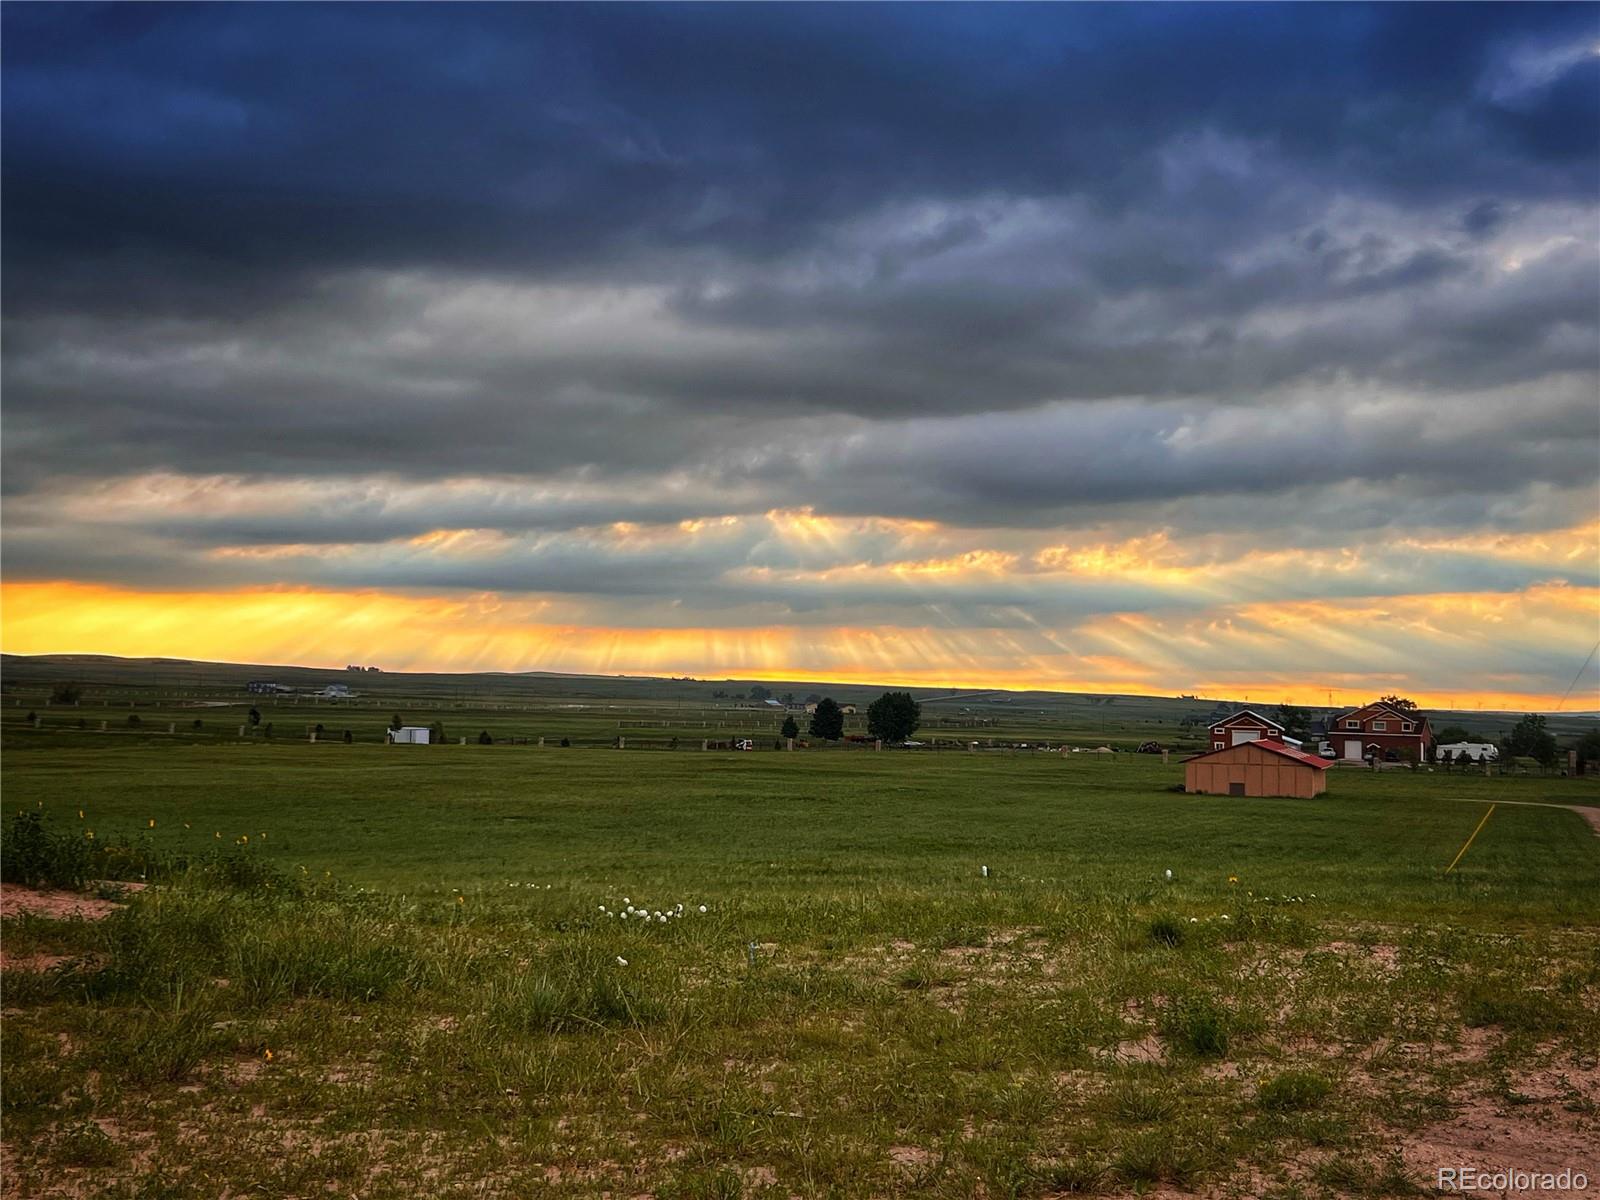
(1328, 274)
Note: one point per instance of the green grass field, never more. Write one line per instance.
(404, 981)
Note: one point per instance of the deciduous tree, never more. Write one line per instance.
(893, 716)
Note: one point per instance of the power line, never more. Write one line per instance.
(1579, 675)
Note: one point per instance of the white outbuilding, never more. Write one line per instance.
(413, 735)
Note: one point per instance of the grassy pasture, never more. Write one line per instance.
(409, 987)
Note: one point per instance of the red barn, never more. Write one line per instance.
(1260, 767)
(1245, 726)
(1383, 731)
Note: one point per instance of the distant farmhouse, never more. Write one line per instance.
(1383, 732)
(1377, 731)
(336, 691)
(266, 687)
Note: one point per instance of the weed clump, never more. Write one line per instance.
(1157, 1156)
(85, 1144)
(1166, 931)
(1197, 1025)
(1293, 1091)
(581, 993)
(38, 857)
(1137, 1105)
(1514, 1011)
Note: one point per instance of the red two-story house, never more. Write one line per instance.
(1382, 731)
(1244, 726)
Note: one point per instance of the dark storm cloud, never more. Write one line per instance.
(287, 141)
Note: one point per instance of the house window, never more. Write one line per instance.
(1407, 726)
(1217, 745)
(1379, 726)
(1352, 724)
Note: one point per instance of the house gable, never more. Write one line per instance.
(1226, 731)
(1248, 716)
(1380, 718)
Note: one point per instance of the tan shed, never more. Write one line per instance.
(1256, 768)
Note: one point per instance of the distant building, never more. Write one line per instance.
(1381, 731)
(1244, 726)
(409, 735)
(336, 691)
(1258, 767)
(265, 687)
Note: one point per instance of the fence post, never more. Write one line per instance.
(791, 743)
(622, 743)
(878, 744)
(705, 743)
(541, 741)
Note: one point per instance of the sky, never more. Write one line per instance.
(1236, 350)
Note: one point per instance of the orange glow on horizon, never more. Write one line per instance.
(1120, 653)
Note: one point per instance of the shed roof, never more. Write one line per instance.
(1278, 748)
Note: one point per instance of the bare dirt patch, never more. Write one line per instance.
(1539, 1120)
(58, 905)
(1493, 1137)
(31, 962)
(911, 1158)
(1148, 1049)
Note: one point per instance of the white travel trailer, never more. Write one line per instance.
(411, 735)
(1469, 752)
